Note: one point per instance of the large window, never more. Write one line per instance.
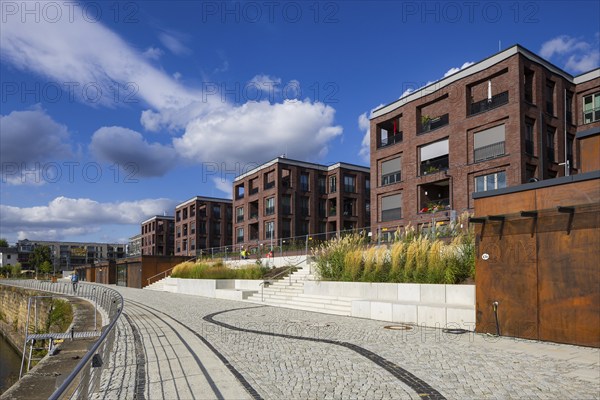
(434, 157)
(489, 143)
(239, 214)
(490, 182)
(550, 148)
(216, 212)
(391, 207)
(269, 230)
(304, 182)
(270, 206)
(349, 183)
(286, 205)
(391, 171)
(304, 206)
(332, 184)
(550, 97)
(529, 136)
(591, 108)
(240, 235)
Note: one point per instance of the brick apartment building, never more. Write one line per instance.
(286, 198)
(201, 223)
(501, 122)
(68, 255)
(157, 236)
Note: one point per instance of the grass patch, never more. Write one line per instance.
(216, 270)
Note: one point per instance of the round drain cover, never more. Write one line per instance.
(398, 327)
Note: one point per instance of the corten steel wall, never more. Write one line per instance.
(590, 152)
(139, 269)
(544, 272)
(106, 272)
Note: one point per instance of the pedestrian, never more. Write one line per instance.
(74, 281)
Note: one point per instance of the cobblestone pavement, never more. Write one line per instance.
(196, 347)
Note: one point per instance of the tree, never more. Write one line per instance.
(15, 270)
(39, 255)
(3, 242)
(46, 267)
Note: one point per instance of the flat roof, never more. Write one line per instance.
(587, 133)
(303, 164)
(586, 176)
(169, 217)
(204, 198)
(478, 67)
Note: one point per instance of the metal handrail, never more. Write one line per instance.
(109, 298)
(272, 279)
(195, 258)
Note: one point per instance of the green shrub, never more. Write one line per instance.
(216, 270)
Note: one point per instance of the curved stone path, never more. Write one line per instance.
(187, 347)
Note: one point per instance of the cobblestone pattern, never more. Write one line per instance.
(469, 366)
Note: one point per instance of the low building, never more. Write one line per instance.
(8, 256)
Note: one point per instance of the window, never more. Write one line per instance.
(550, 97)
(322, 183)
(550, 149)
(269, 180)
(389, 132)
(179, 231)
(322, 208)
(529, 75)
(286, 178)
(216, 212)
(269, 230)
(193, 210)
(490, 182)
(349, 184)
(193, 227)
(390, 171)
(239, 191)
(391, 207)
(304, 182)
(253, 186)
(217, 228)
(177, 246)
(591, 108)
(570, 140)
(286, 205)
(239, 214)
(489, 143)
(529, 124)
(185, 213)
(367, 185)
(304, 206)
(434, 157)
(185, 229)
(177, 218)
(286, 228)
(193, 244)
(240, 235)
(270, 206)
(332, 184)
(184, 244)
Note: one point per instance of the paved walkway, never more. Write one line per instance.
(177, 346)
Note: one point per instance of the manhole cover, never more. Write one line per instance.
(398, 327)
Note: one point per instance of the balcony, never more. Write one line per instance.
(253, 191)
(269, 185)
(391, 215)
(434, 165)
(431, 124)
(332, 212)
(390, 140)
(488, 152)
(486, 105)
(254, 215)
(270, 210)
(350, 188)
(529, 147)
(436, 206)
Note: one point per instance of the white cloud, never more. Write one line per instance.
(258, 131)
(125, 146)
(576, 55)
(68, 216)
(153, 53)
(365, 126)
(224, 185)
(32, 136)
(62, 52)
(455, 69)
(174, 42)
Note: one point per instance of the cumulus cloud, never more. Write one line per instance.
(365, 146)
(32, 136)
(576, 55)
(252, 131)
(224, 185)
(153, 53)
(125, 146)
(456, 69)
(65, 216)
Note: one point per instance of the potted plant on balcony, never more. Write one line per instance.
(431, 169)
(425, 123)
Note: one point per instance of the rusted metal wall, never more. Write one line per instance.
(544, 272)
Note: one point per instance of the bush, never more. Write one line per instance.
(216, 270)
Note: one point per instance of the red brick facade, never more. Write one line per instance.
(295, 198)
(498, 117)
(157, 236)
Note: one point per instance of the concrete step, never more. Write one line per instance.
(306, 308)
(323, 297)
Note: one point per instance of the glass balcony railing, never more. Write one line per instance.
(485, 105)
(430, 124)
(434, 165)
(488, 152)
(391, 139)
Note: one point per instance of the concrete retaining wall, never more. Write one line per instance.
(231, 289)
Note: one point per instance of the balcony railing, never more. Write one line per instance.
(435, 206)
(434, 123)
(269, 185)
(332, 212)
(391, 178)
(239, 239)
(391, 139)
(350, 188)
(490, 151)
(391, 215)
(239, 218)
(254, 215)
(485, 105)
(253, 191)
(529, 146)
(434, 165)
(270, 210)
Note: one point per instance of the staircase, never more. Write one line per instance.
(282, 293)
(158, 285)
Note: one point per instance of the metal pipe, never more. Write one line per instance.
(495, 308)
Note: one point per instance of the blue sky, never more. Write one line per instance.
(116, 111)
